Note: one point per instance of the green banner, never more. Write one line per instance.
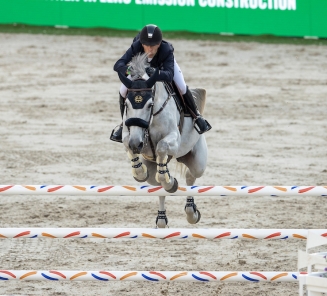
(278, 17)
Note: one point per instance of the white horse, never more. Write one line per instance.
(151, 136)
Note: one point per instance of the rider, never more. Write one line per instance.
(160, 55)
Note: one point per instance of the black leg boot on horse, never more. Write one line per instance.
(200, 124)
(117, 132)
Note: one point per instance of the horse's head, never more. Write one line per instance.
(138, 109)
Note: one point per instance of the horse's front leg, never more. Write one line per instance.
(139, 170)
(166, 147)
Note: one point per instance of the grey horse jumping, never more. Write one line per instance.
(151, 136)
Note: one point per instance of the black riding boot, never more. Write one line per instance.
(200, 124)
(116, 134)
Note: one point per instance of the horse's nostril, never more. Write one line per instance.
(140, 147)
(136, 146)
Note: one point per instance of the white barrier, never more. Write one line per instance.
(158, 276)
(111, 190)
(167, 233)
(151, 276)
(316, 282)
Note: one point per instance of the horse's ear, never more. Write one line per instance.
(153, 79)
(127, 82)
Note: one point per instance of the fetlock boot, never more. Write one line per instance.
(200, 124)
(117, 132)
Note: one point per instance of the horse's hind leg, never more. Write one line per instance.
(193, 215)
(196, 162)
(161, 220)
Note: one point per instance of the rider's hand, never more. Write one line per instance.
(149, 71)
(123, 70)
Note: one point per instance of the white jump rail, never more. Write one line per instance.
(126, 190)
(149, 276)
(168, 233)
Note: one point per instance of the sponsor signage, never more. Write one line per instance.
(278, 17)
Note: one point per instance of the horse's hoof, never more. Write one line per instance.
(191, 211)
(199, 216)
(161, 223)
(146, 178)
(162, 220)
(174, 188)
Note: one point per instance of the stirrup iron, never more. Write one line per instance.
(197, 128)
(116, 134)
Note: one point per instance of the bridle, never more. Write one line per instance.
(138, 121)
(146, 124)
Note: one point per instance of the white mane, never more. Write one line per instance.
(138, 64)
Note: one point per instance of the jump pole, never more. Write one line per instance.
(150, 276)
(125, 190)
(167, 233)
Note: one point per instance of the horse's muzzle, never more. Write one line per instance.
(136, 147)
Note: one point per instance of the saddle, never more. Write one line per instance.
(199, 95)
(173, 90)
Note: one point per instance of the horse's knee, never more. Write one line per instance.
(169, 145)
(162, 149)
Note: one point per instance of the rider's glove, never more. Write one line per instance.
(149, 71)
(128, 70)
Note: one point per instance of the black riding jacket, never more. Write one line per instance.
(163, 59)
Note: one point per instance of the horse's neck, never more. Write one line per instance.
(169, 110)
(160, 98)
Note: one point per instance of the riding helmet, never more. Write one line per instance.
(151, 35)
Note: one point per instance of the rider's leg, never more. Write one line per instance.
(201, 124)
(117, 132)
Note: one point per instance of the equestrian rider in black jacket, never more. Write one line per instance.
(160, 55)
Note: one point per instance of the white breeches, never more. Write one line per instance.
(178, 79)
(123, 88)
